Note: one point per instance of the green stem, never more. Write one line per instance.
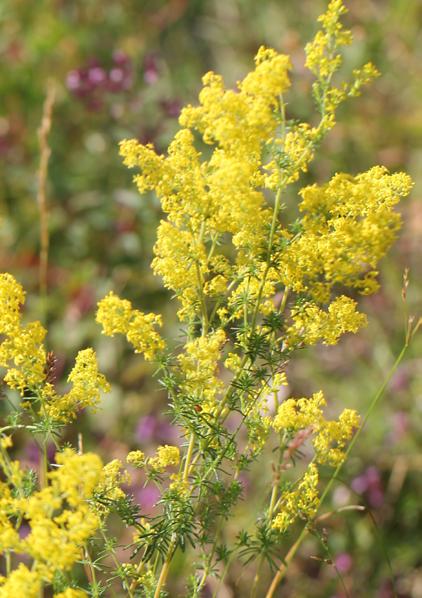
(189, 457)
(90, 571)
(279, 576)
(112, 553)
(172, 548)
(8, 558)
(273, 500)
(164, 571)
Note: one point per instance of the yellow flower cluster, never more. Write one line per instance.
(251, 287)
(87, 382)
(329, 437)
(205, 199)
(21, 582)
(198, 364)
(322, 56)
(71, 593)
(12, 296)
(166, 457)
(23, 354)
(312, 324)
(136, 458)
(62, 516)
(60, 519)
(300, 503)
(241, 121)
(347, 227)
(22, 351)
(118, 317)
(59, 516)
(112, 477)
(9, 537)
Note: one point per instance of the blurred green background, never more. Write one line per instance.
(123, 69)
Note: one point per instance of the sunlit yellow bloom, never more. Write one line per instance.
(59, 516)
(24, 355)
(312, 324)
(300, 503)
(21, 582)
(329, 437)
(71, 593)
(199, 366)
(112, 477)
(166, 456)
(136, 458)
(118, 317)
(87, 384)
(12, 296)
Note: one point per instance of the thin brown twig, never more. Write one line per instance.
(45, 151)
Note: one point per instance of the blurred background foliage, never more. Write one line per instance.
(123, 68)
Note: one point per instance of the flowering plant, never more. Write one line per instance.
(254, 287)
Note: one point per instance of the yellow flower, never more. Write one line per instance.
(166, 457)
(118, 317)
(333, 436)
(6, 442)
(329, 437)
(87, 384)
(21, 582)
(12, 296)
(348, 225)
(114, 314)
(59, 516)
(312, 324)
(71, 593)
(77, 477)
(24, 356)
(136, 458)
(296, 414)
(9, 537)
(112, 477)
(205, 199)
(322, 56)
(198, 364)
(302, 502)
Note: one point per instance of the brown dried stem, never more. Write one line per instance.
(45, 151)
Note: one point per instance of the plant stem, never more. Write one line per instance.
(170, 553)
(189, 457)
(279, 576)
(45, 152)
(273, 499)
(164, 571)
(90, 571)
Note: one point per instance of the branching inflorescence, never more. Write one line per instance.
(253, 288)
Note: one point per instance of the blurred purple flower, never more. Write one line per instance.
(92, 81)
(73, 80)
(150, 69)
(120, 58)
(33, 453)
(145, 430)
(369, 484)
(96, 75)
(245, 481)
(400, 426)
(171, 107)
(152, 429)
(343, 562)
(24, 531)
(147, 498)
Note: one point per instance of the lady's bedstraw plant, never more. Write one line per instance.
(253, 289)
